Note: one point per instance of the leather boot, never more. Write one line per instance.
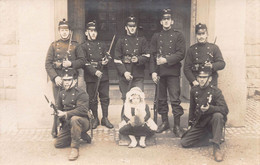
(164, 125)
(106, 122)
(85, 137)
(218, 153)
(74, 154)
(95, 123)
(177, 130)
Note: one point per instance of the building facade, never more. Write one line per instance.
(29, 26)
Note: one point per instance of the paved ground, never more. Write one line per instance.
(35, 146)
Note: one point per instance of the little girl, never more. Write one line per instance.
(136, 118)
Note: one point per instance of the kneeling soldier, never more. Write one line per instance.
(72, 104)
(207, 115)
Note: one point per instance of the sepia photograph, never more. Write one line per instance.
(118, 82)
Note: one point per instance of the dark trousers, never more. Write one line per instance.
(103, 93)
(136, 131)
(70, 133)
(172, 84)
(200, 136)
(123, 85)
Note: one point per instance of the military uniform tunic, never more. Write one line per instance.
(58, 51)
(212, 121)
(197, 55)
(169, 44)
(75, 102)
(127, 47)
(94, 51)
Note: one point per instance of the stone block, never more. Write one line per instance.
(13, 61)
(1, 82)
(10, 82)
(4, 61)
(2, 94)
(10, 94)
(252, 50)
(253, 61)
(7, 72)
(8, 50)
(253, 83)
(253, 73)
(250, 92)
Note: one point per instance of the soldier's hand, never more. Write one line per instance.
(98, 74)
(128, 76)
(204, 108)
(155, 77)
(62, 114)
(104, 62)
(58, 81)
(195, 83)
(66, 63)
(161, 60)
(134, 59)
(208, 64)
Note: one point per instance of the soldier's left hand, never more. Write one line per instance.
(61, 113)
(104, 62)
(66, 63)
(204, 108)
(208, 64)
(134, 59)
(161, 61)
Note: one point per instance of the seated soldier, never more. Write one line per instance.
(72, 104)
(136, 118)
(207, 115)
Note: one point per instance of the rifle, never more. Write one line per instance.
(156, 102)
(54, 130)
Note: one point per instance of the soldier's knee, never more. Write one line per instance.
(74, 120)
(184, 143)
(218, 116)
(57, 144)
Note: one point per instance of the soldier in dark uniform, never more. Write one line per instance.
(97, 58)
(73, 105)
(167, 50)
(203, 54)
(61, 54)
(131, 54)
(207, 114)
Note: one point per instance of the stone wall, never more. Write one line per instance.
(8, 49)
(252, 45)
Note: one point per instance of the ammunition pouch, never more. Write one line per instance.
(94, 64)
(195, 67)
(57, 64)
(127, 59)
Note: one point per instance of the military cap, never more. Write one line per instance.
(64, 24)
(200, 26)
(131, 21)
(204, 70)
(69, 73)
(92, 25)
(166, 13)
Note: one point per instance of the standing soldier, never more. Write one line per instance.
(96, 70)
(61, 54)
(203, 54)
(131, 54)
(207, 114)
(168, 49)
(73, 105)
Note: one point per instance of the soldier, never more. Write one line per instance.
(168, 49)
(61, 54)
(131, 54)
(207, 114)
(203, 53)
(96, 68)
(72, 105)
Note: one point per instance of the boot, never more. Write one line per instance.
(177, 130)
(164, 125)
(74, 154)
(106, 122)
(85, 137)
(218, 153)
(95, 123)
